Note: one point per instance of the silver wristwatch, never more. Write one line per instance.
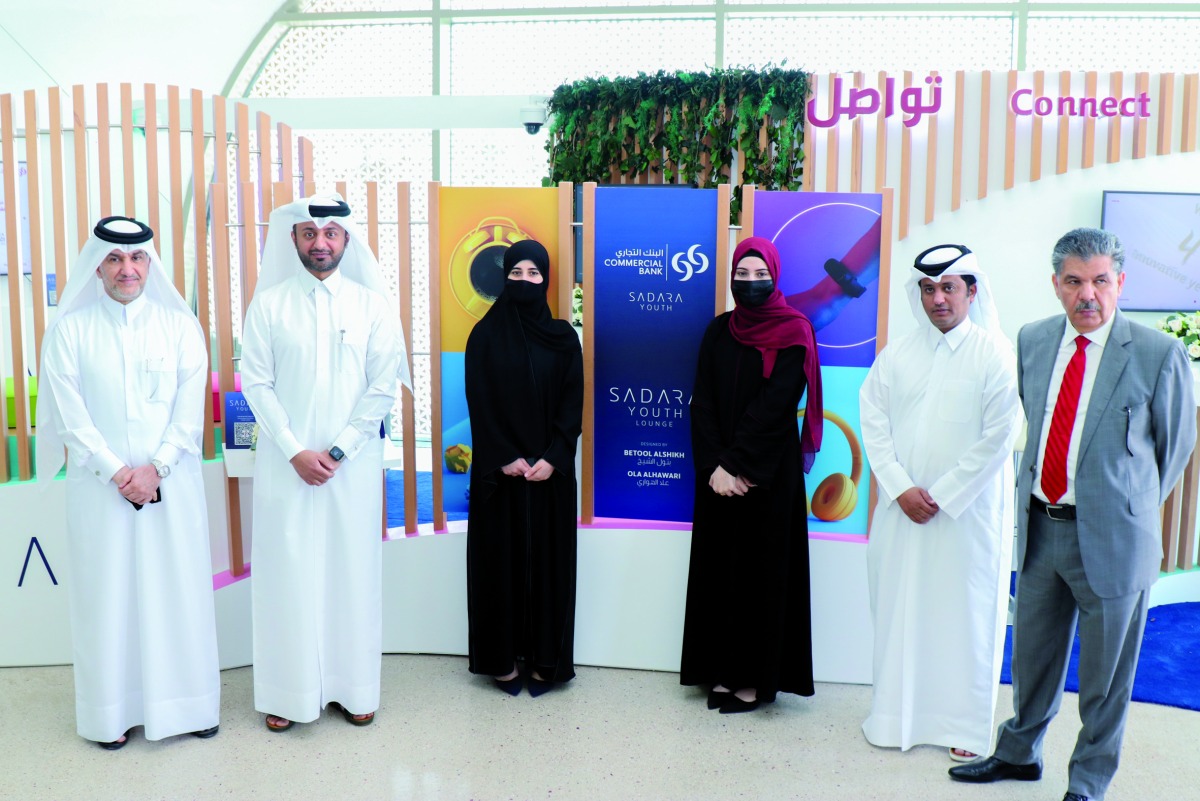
(160, 468)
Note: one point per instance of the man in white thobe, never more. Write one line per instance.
(940, 414)
(124, 379)
(321, 356)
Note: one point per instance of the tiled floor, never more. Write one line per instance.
(610, 734)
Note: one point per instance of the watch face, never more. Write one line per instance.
(337, 453)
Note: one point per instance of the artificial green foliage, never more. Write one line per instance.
(685, 126)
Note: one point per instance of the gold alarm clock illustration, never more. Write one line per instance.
(477, 263)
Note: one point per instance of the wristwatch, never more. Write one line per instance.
(337, 453)
(160, 468)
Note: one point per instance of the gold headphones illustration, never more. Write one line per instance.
(476, 274)
(837, 495)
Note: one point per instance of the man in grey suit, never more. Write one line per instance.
(1112, 423)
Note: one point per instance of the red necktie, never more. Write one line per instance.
(1054, 464)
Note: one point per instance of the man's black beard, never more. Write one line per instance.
(327, 267)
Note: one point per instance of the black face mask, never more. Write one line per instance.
(752, 293)
(525, 293)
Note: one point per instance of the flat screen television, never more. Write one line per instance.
(1161, 235)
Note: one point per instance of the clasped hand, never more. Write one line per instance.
(725, 483)
(521, 469)
(315, 467)
(137, 484)
(918, 504)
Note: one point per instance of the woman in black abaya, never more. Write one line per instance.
(524, 383)
(747, 626)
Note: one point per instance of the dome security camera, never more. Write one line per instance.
(533, 118)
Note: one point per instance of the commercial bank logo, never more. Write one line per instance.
(692, 263)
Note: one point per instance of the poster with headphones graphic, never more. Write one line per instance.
(830, 245)
(475, 227)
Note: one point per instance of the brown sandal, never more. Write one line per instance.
(357, 720)
(284, 726)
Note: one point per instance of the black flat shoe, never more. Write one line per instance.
(204, 734)
(511, 686)
(735, 705)
(539, 686)
(116, 745)
(989, 770)
(715, 699)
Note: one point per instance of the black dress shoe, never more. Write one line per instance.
(204, 734)
(715, 699)
(539, 686)
(1074, 797)
(511, 686)
(994, 770)
(735, 705)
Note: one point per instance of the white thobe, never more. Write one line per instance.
(130, 383)
(940, 413)
(319, 361)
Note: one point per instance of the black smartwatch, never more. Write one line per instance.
(337, 453)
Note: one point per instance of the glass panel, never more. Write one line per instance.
(350, 61)
(333, 6)
(462, 5)
(1113, 43)
(870, 44)
(536, 56)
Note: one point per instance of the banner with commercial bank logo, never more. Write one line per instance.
(655, 287)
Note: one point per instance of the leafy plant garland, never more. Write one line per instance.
(683, 126)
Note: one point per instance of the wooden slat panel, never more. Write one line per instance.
(175, 158)
(16, 321)
(1010, 136)
(985, 125)
(127, 150)
(79, 127)
(373, 217)
(749, 192)
(248, 242)
(1036, 130)
(340, 188)
(1141, 127)
(287, 161)
(565, 277)
(587, 447)
(1191, 101)
(905, 170)
(200, 232)
(956, 156)
(435, 353)
(220, 134)
(1089, 124)
(58, 208)
(724, 193)
(1064, 126)
(931, 127)
(241, 126)
(265, 180)
(151, 131)
(308, 181)
(408, 419)
(831, 146)
(222, 287)
(881, 131)
(103, 153)
(1187, 512)
(885, 268)
(1166, 112)
(808, 176)
(36, 256)
(1114, 123)
(856, 144)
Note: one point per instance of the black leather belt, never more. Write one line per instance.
(1054, 511)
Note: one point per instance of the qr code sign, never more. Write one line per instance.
(243, 434)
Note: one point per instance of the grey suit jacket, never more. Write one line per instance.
(1137, 438)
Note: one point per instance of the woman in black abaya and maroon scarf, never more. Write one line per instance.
(524, 383)
(747, 628)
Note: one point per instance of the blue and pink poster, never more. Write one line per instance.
(829, 246)
(655, 290)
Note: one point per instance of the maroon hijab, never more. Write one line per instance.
(773, 326)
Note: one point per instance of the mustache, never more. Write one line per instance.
(1087, 305)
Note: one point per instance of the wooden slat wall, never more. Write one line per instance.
(408, 412)
(587, 445)
(435, 352)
